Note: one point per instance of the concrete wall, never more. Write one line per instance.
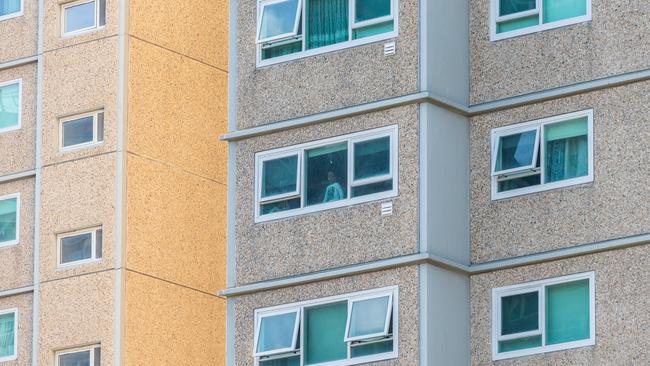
(324, 82)
(610, 207)
(16, 261)
(24, 304)
(23, 31)
(340, 236)
(616, 41)
(406, 278)
(621, 284)
(18, 145)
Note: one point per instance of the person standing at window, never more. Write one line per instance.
(334, 191)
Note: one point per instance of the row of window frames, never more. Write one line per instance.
(89, 355)
(78, 16)
(75, 131)
(73, 248)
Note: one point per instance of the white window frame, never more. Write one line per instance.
(393, 291)
(282, 196)
(335, 47)
(509, 132)
(59, 247)
(540, 286)
(264, 4)
(495, 18)
(517, 128)
(68, 351)
(14, 356)
(16, 14)
(258, 325)
(96, 26)
(17, 240)
(391, 131)
(386, 321)
(20, 104)
(94, 142)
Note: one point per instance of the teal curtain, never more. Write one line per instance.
(9, 105)
(567, 150)
(372, 349)
(8, 219)
(285, 49)
(7, 334)
(567, 312)
(521, 343)
(555, 10)
(325, 333)
(518, 23)
(9, 7)
(371, 9)
(373, 30)
(327, 22)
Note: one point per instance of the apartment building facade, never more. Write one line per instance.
(438, 182)
(112, 182)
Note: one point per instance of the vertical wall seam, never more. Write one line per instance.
(37, 185)
(120, 181)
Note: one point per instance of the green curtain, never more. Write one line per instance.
(373, 30)
(325, 333)
(327, 22)
(518, 23)
(372, 349)
(567, 312)
(7, 334)
(567, 150)
(285, 49)
(555, 10)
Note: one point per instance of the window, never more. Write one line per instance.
(81, 131)
(80, 247)
(8, 335)
(9, 219)
(341, 330)
(326, 174)
(541, 155)
(290, 29)
(10, 105)
(511, 18)
(543, 316)
(84, 356)
(10, 9)
(82, 16)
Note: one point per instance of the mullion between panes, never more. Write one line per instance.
(542, 313)
(542, 151)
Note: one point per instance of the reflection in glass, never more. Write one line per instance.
(276, 332)
(76, 248)
(79, 17)
(278, 19)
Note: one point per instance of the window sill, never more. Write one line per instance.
(537, 351)
(81, 32)
(9, 243)
(322, 50)
(497, 196)
(7, 17)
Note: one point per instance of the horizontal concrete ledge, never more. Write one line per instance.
(16, 291)
(428, 97)
(16, 176)
(422, 258)
(18, 62)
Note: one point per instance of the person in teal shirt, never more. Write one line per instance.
(334, 191)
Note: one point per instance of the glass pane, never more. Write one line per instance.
(279, 176)
(518, 23)
(567, 150)
(274, 207)
(75, 359)
(289, 361)
(517, 183)
(98, 356)
(324, 333)
(278, 19)
(9, 105)
(507, 7)
(326, 169)
(100, 126)
(282, 50)
(372, 349)
(372, 158)
(519, 313)
(368, 316)
(9, 7)
(76, 248)
(7, 334)
(522, 343)
(567, 312)
(555, 10)
(276, 332)
(99, 240)
(8, 218)
(371, 9)
(515, 151)
(327, 22)
(372, 188)
(78, 131)
(102, 13)
(372, 30)
(79, 17)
